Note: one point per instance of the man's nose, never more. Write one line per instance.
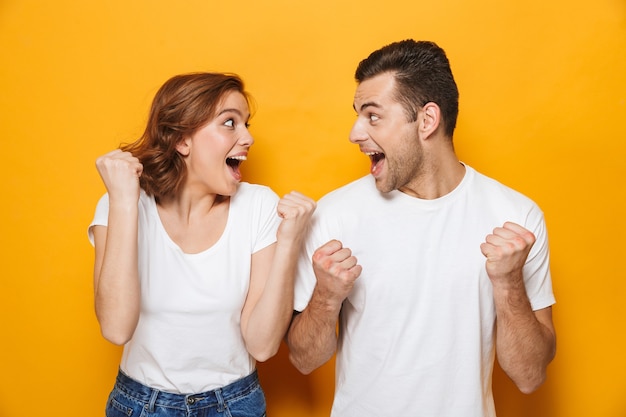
(358, 133)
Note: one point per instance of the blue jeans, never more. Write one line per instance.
(242, 398)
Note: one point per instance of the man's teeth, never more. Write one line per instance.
(371, 153)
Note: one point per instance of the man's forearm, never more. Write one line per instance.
(312, 336)
(526, 342)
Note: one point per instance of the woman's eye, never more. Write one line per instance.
(229, 123)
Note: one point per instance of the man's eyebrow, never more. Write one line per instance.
(366, 105)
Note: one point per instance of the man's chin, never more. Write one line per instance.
(383, 187)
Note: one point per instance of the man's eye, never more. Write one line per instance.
(374, 117)
(229, 123)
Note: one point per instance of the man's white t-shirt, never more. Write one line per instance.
(416, 334)
(188, 338)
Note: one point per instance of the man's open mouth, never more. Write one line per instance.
(376, 158)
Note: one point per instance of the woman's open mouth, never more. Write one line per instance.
(234, 162)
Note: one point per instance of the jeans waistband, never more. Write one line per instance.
(217, 396)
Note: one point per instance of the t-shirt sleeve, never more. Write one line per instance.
(537, 275)
(265, 207)
(305, 277)
(101, 216)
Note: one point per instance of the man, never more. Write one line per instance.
(429, 268)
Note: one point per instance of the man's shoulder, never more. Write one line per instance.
(491, 188)
(354, 191)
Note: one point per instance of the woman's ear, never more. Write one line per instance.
(429, 118)
(184, 147)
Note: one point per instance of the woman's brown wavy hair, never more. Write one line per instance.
(184, 104)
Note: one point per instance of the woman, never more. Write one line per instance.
(193, 269)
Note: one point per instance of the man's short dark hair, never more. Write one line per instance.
(422, 74)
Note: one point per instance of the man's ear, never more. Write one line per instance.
(184, 147)
(429, 118)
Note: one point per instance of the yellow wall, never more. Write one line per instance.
(543, 109)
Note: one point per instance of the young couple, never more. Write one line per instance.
(429, 268)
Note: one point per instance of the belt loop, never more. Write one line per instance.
(153, 398)
(221, 406)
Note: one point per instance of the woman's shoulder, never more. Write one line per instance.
(248, 191)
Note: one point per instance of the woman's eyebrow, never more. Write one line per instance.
(231, 110)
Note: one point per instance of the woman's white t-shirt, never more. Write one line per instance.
(188, 338)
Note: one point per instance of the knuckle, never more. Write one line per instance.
(328, 265)
(345, 253)
(518, 243)
(318, 256)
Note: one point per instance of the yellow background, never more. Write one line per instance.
(543, 109)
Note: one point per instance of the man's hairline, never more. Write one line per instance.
(410, 109)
